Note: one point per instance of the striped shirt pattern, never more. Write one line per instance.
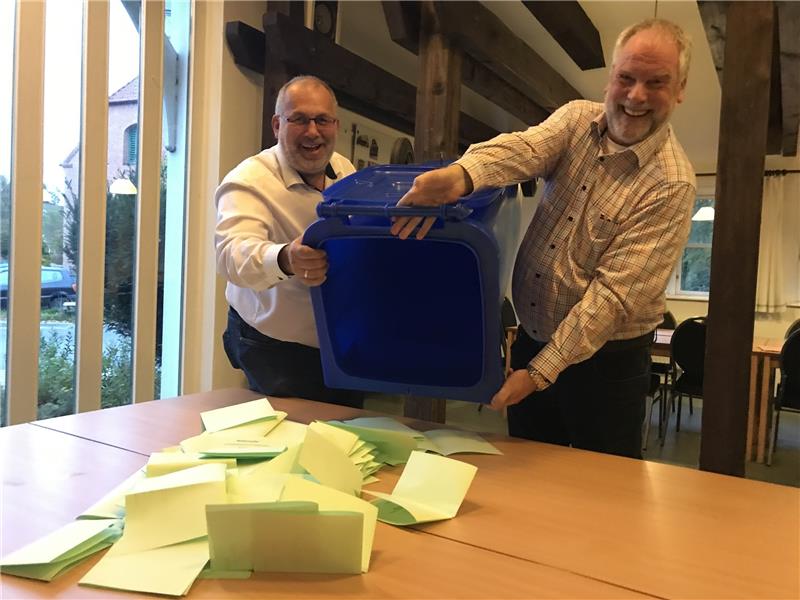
(597, 256)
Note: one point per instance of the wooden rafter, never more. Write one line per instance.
(360, 85)
(402, 19)
(490, 42)
(571, 27)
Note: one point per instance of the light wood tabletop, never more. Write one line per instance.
(49, 478)
(655, 529)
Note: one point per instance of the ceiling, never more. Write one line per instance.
(696, 120)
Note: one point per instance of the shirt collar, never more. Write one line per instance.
(291, 177)
(645, 149)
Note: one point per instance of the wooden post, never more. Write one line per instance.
(436, 133)
(734, 258)
(438, 92)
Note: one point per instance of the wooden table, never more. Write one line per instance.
(763, 366)
(539, 521)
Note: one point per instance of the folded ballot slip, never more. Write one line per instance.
(431, 488)
(61, 550)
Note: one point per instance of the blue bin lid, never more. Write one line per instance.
(386, 184)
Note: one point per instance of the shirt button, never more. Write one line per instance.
(552, 246)
(602, 159)
(533, 303)
(534, 331)
(570, 219)
(538, 275)
(583, 187)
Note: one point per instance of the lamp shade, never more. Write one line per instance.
(122, 187)
(706, 213)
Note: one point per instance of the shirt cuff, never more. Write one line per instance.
(272, 270)
(549, 363)
(473, 165)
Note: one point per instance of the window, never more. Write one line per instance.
(692, 276)
(50, 275)
(131, 144)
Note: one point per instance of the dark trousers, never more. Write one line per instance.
(597, 404)
(282, 369)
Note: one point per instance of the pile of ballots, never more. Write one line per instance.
(256, 492)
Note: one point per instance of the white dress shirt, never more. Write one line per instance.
(262, 205)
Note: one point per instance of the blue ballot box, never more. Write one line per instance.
(412, 316)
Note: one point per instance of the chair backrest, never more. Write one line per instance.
(790, 370)
(792, 328)
(669, 321)
(508, 318)
(688, 345)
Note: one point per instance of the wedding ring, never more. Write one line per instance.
(305, 274)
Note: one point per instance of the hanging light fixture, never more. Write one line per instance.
(706, 213)
(122, 187)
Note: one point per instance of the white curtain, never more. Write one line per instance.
(780, 195)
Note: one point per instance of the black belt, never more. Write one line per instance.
(641, 341)
(619, 345)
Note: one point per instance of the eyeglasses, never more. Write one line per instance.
(322, 121)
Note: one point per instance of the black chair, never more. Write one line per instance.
(655, 394)
(788, 397)
(792, 328)
(687, 357)
(508, 332)
(663, 369)
(668, 322)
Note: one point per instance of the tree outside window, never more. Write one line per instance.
(693, 274)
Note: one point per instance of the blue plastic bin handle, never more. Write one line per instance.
(446, 212)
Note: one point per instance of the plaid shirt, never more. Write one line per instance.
(597, 256)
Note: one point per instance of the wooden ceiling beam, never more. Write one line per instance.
(402, 19)
(789, 43)
(360, 85)
(490, 42)
(574, 31)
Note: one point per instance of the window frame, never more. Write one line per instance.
(706, 190)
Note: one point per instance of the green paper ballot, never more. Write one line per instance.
(431, 488)
(163, 463)
(328, 464)
(238, 414)
(168, 570)
(57, 552)
(171, 509)
(254, 432)
(255, 486)
(391, 446)
(344, 440)
(454, 441)
(288, 433)
(383, 423)
(284, 537)
(243, 451)
(298, 489)
(112, 505)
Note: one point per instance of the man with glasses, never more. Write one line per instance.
(591, 272)
(263, 207)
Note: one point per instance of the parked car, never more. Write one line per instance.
(58, 286)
